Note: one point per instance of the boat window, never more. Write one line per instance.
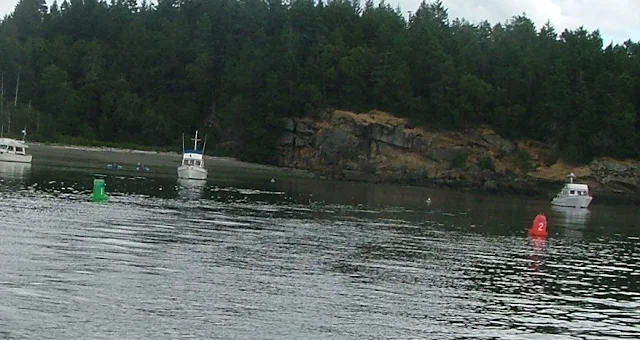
(198, 163)
(573, 192)
(3, 147)
(19, 149)
(10, 149)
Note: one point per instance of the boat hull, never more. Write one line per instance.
(572, 201)
(10, 157)
(192, 172)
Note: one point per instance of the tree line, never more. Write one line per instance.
(129, 72)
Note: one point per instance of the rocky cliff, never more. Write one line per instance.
(378, 147)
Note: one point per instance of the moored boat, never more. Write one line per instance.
(13, 150)
(574, 195)
(192, 166)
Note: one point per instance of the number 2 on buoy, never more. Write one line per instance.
(539, 226)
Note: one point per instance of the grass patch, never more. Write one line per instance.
(524, 161)
(486, 163)
(459, 161)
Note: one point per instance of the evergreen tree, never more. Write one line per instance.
(123, 71)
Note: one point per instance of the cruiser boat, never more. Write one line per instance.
(573, 195)
(192, 166)
(13, 150)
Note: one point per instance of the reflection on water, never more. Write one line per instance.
(301, 259)
(14, 170)
(571, 216)
(538, 247)
(570, 221)
(191, 188)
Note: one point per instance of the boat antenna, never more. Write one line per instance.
(183, 142)
(205, 144)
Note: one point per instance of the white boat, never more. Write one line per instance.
(573, 195)
(13, 150)
(192, 166)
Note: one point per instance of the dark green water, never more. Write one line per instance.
(241, 257)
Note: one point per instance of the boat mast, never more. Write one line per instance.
(15, 102)
(2, 96)
(195, 141)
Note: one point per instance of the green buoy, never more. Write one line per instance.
(98, 191)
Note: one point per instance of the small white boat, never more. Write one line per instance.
(573, 195)
(13, 150)
(192, 166)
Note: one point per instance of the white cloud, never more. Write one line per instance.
(616, 19)
(7, 7)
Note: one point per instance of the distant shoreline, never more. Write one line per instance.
(168, 159)
(109, 154)
(99, 148)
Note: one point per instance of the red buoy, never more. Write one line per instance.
(539, 226)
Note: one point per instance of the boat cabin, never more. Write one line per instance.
(194, 162)
(572, 189)
(12, 146)
(193, 158)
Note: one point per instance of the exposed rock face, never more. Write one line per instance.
(617, 176)
(379, 147)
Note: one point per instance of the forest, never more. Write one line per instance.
(128, 72)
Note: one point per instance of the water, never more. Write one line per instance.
(244, 258)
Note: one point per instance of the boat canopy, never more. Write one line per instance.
(13, 142)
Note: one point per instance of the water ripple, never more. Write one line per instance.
(148, 267)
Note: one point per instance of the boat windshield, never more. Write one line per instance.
(195, 162)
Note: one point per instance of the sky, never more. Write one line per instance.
(616, 19)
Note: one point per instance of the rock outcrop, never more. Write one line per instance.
(378, 147)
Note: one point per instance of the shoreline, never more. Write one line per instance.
(530, 187)
(123, 155)
(535, 188)
(99, 148)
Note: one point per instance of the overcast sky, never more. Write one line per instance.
(618, 20)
